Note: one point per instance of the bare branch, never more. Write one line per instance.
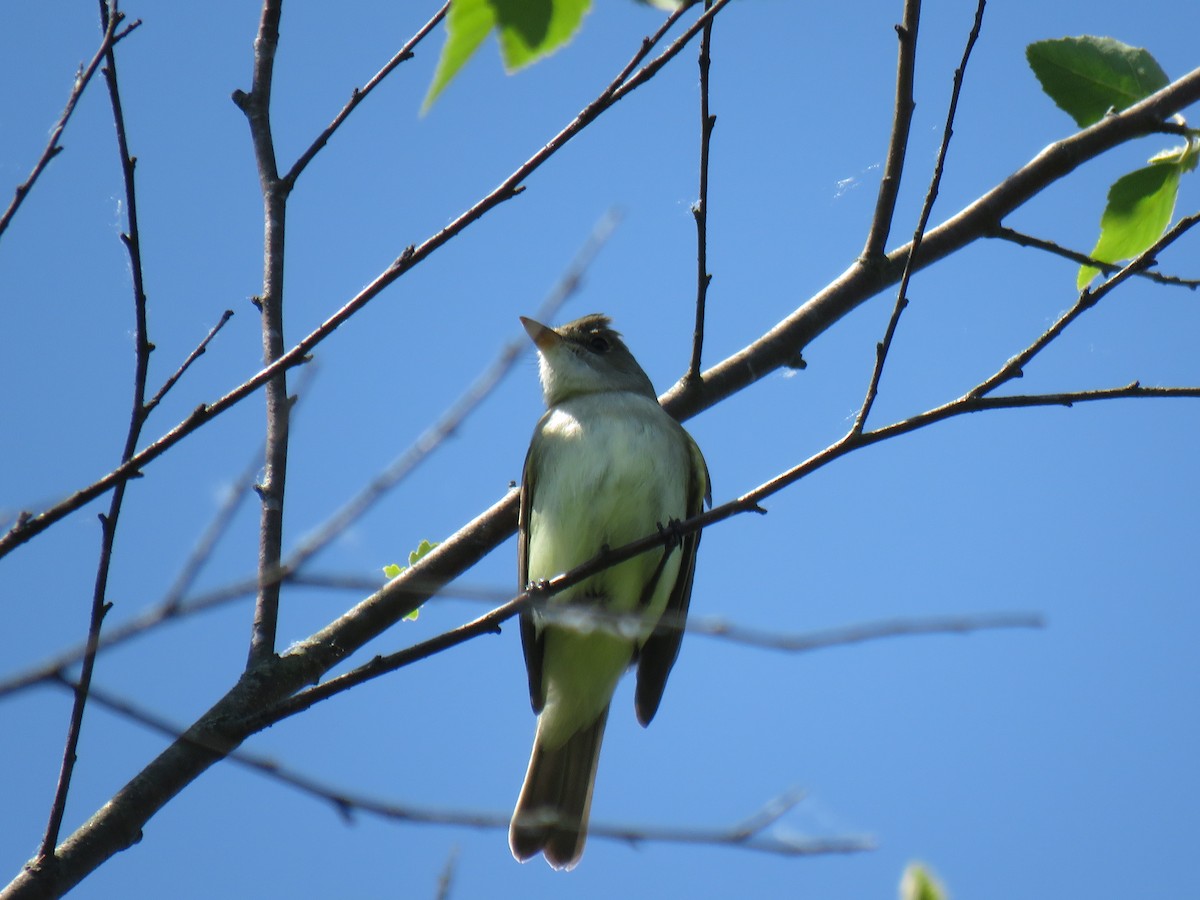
(1087, 299)
(1026, 240)
(109, 19)
(186, 364)
(82, 78)
(539, 598)
(359, 94)
(893, 170)
(779, 346)
(700, 209)
(884, 346)
(272, 489)
(750, 834)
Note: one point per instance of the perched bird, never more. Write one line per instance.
(606, 466)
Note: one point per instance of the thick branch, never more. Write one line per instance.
(271, 490)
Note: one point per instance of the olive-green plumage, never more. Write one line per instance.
(606, 465)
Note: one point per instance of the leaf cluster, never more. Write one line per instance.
(1090, 78)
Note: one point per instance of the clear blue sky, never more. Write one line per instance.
(1057, 762)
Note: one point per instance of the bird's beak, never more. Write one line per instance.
(544, 338)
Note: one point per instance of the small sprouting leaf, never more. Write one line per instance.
(919, 883)
(1087, 76)
(527, 29)
(391, 570)
(1140, 206)
(422, 549)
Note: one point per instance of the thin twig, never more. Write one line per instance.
(882, 348)
(191, 358)
(109, 18)
(1026, 240)
(359, 94)
(82, 79)
(893, 170)
(1088, 298)
(700, 209)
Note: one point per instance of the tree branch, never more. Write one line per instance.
(749, 834)
(1026, 240)
(700, 209)
(82, 78)
(893, 170)
(359, 94)
(779, 346)
(271, 490)
(45, 863)
(884, 346)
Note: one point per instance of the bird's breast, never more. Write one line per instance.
(610, 468)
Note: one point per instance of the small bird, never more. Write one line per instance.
(607, 465)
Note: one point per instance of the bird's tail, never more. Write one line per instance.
(552, 812)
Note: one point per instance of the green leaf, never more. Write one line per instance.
(528, 30)
(1140, 206)
(532, 29)
(919, 883)
(391, 570)
(467, 23)
(1087, 76)
(422, 549)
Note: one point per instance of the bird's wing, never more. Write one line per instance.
(531, 642)
(658, 654)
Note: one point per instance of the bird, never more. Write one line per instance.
(606, 465)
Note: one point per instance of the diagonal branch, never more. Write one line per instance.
(187, 363)
(859, 283)
(359, 94)
(82, 78)
(46, 862)
(884, 346)
(1088, 298)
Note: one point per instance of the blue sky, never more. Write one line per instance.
(1051, 762)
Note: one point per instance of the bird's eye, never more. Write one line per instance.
(598, 344)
